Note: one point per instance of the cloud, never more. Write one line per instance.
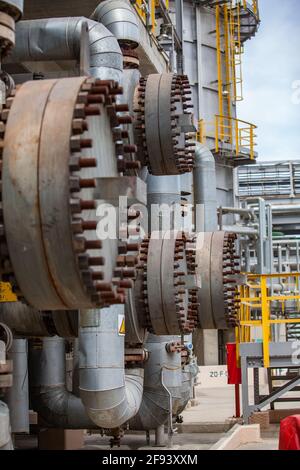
(271, 67)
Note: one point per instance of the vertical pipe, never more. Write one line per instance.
(205, 193)
(17, 396)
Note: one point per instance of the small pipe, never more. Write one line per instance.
(240, 230)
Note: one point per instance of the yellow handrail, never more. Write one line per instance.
(146, 11)
(239, 134)
(257, 307)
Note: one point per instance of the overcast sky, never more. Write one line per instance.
(271, 69)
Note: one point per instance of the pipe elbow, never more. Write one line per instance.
(120, 19)
(106, 58)
(60, 408)
(203, 156)
(55, 39)
(112, 408)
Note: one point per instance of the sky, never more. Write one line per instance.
(271, 70)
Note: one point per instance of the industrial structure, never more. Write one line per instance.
(132, 245)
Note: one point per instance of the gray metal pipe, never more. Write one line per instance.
(240, 230)
(247, 213)
(286, 208)
(162, 378)
(163, 193)
(111, 395)
(17, 397)
(5, 436)
(60, 39)
(57, 406)
(120, 19)
(27, 322)
(205, 192)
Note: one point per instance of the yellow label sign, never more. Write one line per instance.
(6, 293)
(121, 322)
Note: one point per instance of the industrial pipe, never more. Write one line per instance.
(17, 397)
(111, 395)
(57, 406)
(241, 230)
(162, 378)
(28, 322)
(120, 19)
(5, 436)
(60, 39)
(205, 193)
(163, 193)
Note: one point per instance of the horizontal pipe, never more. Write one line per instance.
(56, 39)
(240, 230)
(235, 210)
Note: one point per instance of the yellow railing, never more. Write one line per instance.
(262, 308)
(146, 9)
(254, 5)
(236, 49)
(239, 135)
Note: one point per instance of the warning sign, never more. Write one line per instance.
(121, 325)
(6, 293)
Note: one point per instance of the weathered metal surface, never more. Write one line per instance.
(12, 7)
(217, 263)
(168, 304)
(60, 137)
(163, 124)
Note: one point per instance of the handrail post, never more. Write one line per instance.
(237, 142)
(217, 132)
(265, 321)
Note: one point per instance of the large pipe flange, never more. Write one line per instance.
(59, 137)
(218, 266)
(167, 295)
(163, 122)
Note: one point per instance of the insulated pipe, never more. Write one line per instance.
(111, 395)
(55, 405)
(163, 192)
(60, 39)
(162, 377)
(205, 193)
(5, 436)
(28, 322)
(17, 397)
(120, 19)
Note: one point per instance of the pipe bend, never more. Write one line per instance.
(110, 394)
(54, 39)
(50, 398)
(60, 408)
(120, 405)
(203, 155)
(120, 18)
